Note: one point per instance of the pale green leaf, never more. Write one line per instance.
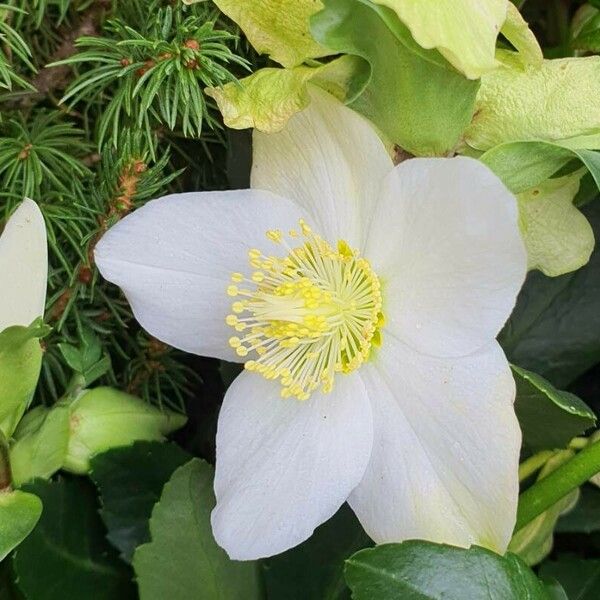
(464, 31)
(19, 513)
(279, 28)
(558, 237)
(20, 363)
(269, 97)
(558, 102)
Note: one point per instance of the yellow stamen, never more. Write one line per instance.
(307, 316)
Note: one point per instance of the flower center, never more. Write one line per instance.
(307, 316)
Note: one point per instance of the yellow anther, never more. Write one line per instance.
(275, 235)
(310, 315)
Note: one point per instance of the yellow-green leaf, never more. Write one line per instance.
(517, 31)
(558, 237)
(558, 102)
(464, 31)
(269, 97)
(279, 28)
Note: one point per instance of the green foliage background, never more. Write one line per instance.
(102, 109)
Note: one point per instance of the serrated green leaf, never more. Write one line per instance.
(66, 556)
(20, 363)
(267, 99)
(41, 442)
(183, 562)
(555, 328)
(105, 418)
(579, 578)
(549, 418)
(279, 28)
(314, 570)
(130, 481)
(19, 513)
(418, 570)
(436, 102)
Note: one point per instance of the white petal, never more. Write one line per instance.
(284, 466)
(330, 161)
(23, 267)
(174, 258)
(445, 241)
(445, 449)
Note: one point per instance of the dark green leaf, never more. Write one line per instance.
(418, 570)
(183, 562)
(314, 570)
(66, 557)
(416, 98)
(130, 481)
(555, 327)
(585, 517)
(549, 418)
(579, 578)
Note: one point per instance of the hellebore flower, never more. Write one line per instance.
(23, 267)
(367, 318)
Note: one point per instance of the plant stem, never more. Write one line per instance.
(546, 492)
(534, 463)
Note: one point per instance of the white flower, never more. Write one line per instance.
(23, 267)
(406, 399)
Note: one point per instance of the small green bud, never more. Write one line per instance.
(104, 418)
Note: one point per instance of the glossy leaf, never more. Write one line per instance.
(579, 578)
(66, 557)
(183, 562)
(555, 328)
(418, 570)
(130, 481)
(549, 418)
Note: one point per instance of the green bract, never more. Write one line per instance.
(465, 31)
(278, 28)
(558, 102)
(558, 237)
(42, 440)
(415, 98)
(269, 97)
(20, 363)
(104, 418)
